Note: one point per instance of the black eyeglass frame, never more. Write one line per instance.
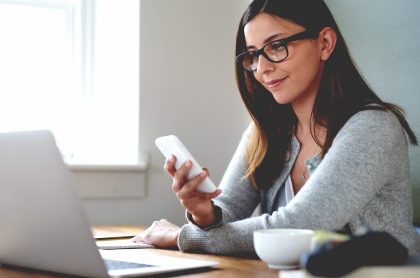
(284, 41)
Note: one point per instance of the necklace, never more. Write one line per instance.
(303, 175)
(309, 149)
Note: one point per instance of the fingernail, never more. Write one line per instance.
(188, 163)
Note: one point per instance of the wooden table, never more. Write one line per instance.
(229, 266)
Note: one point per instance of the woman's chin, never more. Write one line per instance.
(281, 99)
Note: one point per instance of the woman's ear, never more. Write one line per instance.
(327, 40)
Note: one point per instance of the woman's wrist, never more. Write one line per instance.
(176, 237)
(206, 219)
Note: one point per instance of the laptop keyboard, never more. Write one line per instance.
(114, 265)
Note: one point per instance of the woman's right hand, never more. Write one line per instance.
(198, 204)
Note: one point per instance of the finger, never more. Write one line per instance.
(190, 188)
(182, 173)
(176, 185)
(163, 221)
(209, 196)
(215, 193)
(180, 177)
(138, 237)
(170, 165)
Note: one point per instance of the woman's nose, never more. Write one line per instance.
(264, 64)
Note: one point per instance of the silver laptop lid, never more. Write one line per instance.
(42, 224)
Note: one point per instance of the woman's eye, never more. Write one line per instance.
(277, 46)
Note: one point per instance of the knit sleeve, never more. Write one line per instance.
(238, 199)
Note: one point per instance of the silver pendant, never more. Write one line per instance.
(302, 176)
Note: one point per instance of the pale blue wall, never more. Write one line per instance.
(384, 39)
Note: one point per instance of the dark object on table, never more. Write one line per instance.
(374, 248)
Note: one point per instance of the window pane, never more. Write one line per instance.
(83, 88)
(37, 88)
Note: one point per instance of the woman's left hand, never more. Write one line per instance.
(162, 234)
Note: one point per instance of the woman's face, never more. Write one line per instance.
(295, 79)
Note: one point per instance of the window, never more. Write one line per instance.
(72, 66)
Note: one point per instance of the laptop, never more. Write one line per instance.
(42, 222)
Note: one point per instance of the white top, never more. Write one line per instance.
(290, 193)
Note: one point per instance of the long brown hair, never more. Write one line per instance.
(342, 93)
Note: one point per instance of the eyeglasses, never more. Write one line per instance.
(275, 51)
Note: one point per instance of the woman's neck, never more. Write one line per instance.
(305, 126)
(303, 111)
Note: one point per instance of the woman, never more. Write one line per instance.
(323, 150)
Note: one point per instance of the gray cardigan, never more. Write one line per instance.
(362, 181)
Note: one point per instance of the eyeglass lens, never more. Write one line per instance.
(274, 52)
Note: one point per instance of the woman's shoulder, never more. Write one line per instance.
(375, 116)
(248, 132)
(374, 123)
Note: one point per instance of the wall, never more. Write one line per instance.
(384, 39)
(188, 89)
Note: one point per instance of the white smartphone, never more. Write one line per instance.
(171, 145)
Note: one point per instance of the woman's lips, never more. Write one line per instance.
(275, 83)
